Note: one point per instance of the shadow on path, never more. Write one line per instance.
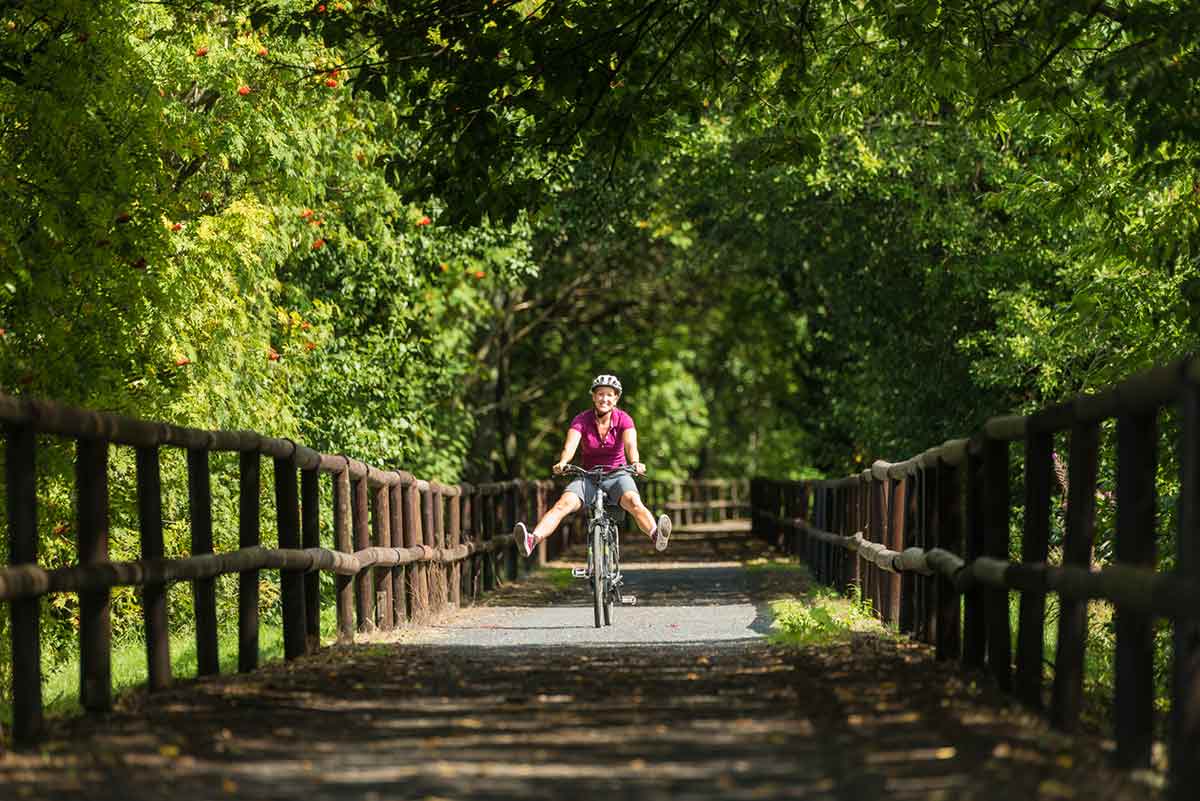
(738, 719)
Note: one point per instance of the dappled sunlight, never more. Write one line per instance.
(684, 697)
(854, 720)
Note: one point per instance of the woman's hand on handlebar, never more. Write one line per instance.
(639, 468)
(559, 468)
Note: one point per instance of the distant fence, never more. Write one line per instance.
(403, 548)
(928, 539)
(692, 501)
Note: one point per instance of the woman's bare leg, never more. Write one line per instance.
(632, 502)
(567, 503)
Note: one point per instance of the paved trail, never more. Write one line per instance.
(524, 699)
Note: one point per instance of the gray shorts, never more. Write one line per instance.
(614, 487)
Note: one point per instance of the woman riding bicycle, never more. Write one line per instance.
(608, 436)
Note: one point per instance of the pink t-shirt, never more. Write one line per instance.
(596, 452)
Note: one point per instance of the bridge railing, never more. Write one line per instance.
(692, 501)
(403, 548)
(927, 542)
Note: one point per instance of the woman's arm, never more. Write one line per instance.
(568, 452)
(629, 438)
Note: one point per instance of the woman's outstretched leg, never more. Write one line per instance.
(527, 540)
(659, 532)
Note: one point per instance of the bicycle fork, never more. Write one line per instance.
(614, 581)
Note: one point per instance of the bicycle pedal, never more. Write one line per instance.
(629, 600)
(579, 572)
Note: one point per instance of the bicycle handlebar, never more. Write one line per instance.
(598, 473)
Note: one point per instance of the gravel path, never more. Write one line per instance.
(656, 620)
(524, 699)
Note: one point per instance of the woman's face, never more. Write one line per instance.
(604, 399)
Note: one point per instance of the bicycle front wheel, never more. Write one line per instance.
(599, 572)
(610, 572)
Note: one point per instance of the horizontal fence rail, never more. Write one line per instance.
(404, 548)
(927, 542)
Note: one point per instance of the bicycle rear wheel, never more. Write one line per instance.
(599, 572)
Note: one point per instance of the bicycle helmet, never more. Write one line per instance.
(606, 380)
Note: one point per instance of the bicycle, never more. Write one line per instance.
(604, 547)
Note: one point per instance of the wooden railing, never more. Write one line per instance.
(692, 501)
(402, 550)
(927, 540)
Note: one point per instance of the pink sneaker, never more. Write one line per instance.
(524, 538)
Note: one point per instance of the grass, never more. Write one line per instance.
(559, 577)
(821, 616)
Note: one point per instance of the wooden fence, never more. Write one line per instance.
(403, 548)
(927, 542)
(693, 501)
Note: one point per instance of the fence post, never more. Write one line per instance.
(396, 574)
(974, 645)
(441, 570)
(343, 533)
(291, 582)
(480, 558)
(996, 496)
(453, 540)
(853, 575)
(310, 537)
(468, 534)
(488, 520)
(1185, 669)
(905, 537)
(1137, 462)
(204, 591)
(1067, 698)
(95, 627)
(363, 592)
(928, 483)
(381, 529)
(417, 594)
(249, 536)
(949, 536)
(154, 596)
(877, 533)
(895, 541)
(429, 538)
(1035, 549)
(20, 467)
